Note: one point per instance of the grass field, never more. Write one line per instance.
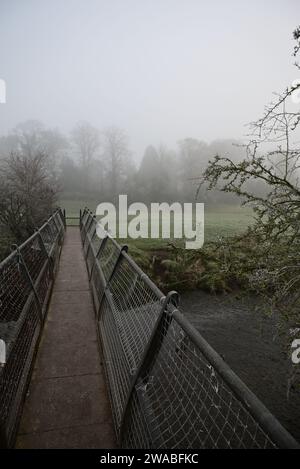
(220, 221)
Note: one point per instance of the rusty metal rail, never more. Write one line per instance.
(168, 388)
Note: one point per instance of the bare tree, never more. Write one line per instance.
(27, 193)
(116, 154)
(28, 137)
(272, 264)
(87, 142)
(31, 137)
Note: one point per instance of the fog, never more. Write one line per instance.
(162, 70)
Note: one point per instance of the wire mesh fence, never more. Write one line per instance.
(26, 279)
(168, 388)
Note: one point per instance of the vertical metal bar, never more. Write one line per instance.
(82, 227)
(101, 247)
(60, 227)
(106, 289)
(89, 226)
(61, 218)
(151, 350)
(81, 217)
(90, 242)
(89, 239)
(123, 249)
(56, 226)
(50, 261)
(85, 222)
(86, 227)
(29, 280)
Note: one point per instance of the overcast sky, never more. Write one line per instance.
(162, 70)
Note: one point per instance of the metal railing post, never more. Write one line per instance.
(106, 287)
(50, 261)
(90, 240)
(83, 214)
(27, 276)
(101, 247)
(88, 226)
(56, 226)
(61, 218)
(123, 249)
(64, 219)
(60, 227)
(84, 224)
(151, 349)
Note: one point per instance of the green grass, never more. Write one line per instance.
(226, 221)
(220, 221)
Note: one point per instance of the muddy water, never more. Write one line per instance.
(250, 344)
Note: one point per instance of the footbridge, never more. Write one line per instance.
(94, 355)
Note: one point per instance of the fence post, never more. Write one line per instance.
(60, 227)
(124, 248)
(64, 219)
(50, 261)
(90, 240)
(84, 228)
(152, 348)
(28, 278)
(57, 227)
(106, 287)
(61, 218)
(61, 215)
(88, 226)
(101, 247)
(83, 214)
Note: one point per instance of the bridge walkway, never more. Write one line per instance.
(67, 404)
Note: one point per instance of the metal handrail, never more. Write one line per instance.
(25, 298)
(134, 399)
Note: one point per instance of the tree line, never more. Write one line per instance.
(98, 164)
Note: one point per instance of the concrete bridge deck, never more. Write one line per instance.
(67, 404)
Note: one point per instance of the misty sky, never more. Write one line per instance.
(162, 70)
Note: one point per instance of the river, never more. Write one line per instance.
(249, 342)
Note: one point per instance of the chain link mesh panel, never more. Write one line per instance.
(14, 290)
(108, 257)
(49, 234)
(14, 376)
(165, 389)
(25, 283)
(135, 308)
(187, 403)
(33, 256)
(117, 367)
